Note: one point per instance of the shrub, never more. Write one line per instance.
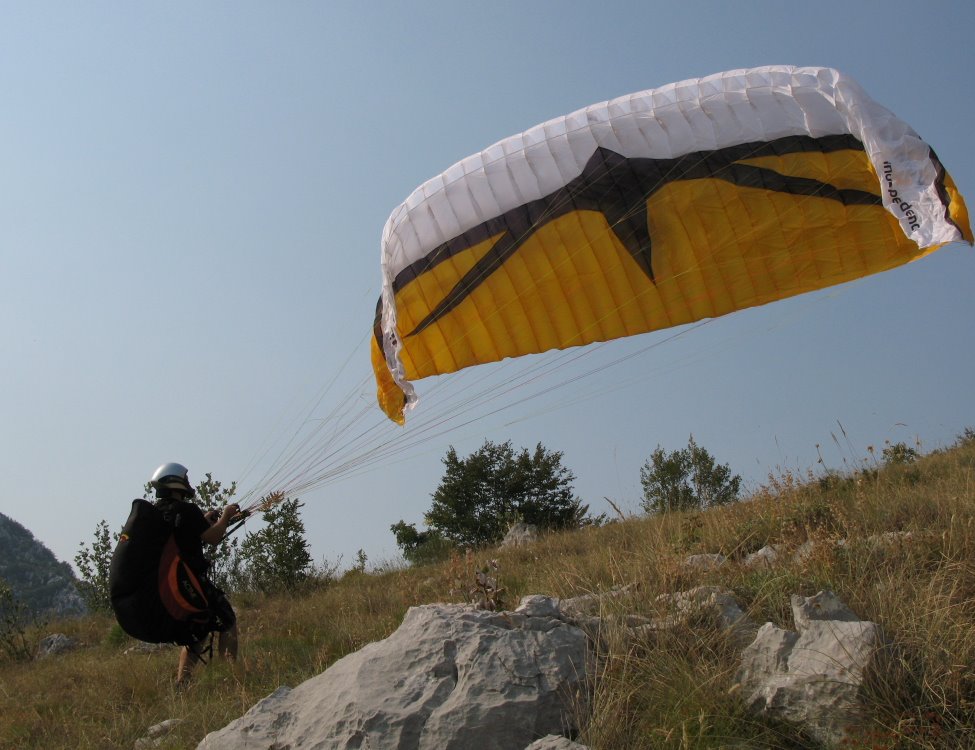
(94, 563)
(14, 619)
(276, 557)
(481, 495)
(420, 547)
(899, 454)
(687, 479)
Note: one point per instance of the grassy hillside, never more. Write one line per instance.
(677, 693)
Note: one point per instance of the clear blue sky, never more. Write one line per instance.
(192, 196)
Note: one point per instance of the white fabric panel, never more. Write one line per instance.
(708, 113)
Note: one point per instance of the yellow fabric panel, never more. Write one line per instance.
(958, 210)
(544, 297)
(766, 246)
(390, 396)
(842, 169)
(446, 348)
(716, 248)
(852, 169)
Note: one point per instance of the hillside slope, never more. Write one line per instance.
(36, 576)
(677, 691)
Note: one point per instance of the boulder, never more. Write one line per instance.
(823, 606)
(156, 734)
(889, 539)
(520, 534)
(54, 644)
(450, 677)
(763, 558)
(555, 742)
(536, 605)
(813, 676)
(806, 551)
(716, 605)
(593, 604)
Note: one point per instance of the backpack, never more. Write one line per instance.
(155, 595)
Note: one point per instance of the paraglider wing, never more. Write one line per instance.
(652, 210)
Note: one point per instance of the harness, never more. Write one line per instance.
(156, 596)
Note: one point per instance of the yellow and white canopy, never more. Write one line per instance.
(655, 209)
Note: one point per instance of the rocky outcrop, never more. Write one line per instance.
(35, 576)
(813, 675)
(458, 676)
(156, 734)
(592, 604)
(520, 534)
(451, 676)
(555, 742)
(766, 557)
(54, 644)
(710, 605)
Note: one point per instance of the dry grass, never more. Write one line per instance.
(674, 692)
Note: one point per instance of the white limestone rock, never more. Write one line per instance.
(55, 644)
(763, 558)
(450, 677)
(555, 742)
(520, 534)
(156, 734)
(813, 676)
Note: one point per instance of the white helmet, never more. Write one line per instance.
(172, 476)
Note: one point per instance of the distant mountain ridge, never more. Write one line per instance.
(38, 579)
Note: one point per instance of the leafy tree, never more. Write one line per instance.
(361, 558)
(481, 495)
(420, 547)
(277, 557)
(225, 561)
(94, 563)
(686, 479)
(899, 454)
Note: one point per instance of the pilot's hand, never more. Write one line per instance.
(230, 511)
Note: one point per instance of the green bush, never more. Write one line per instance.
(276, 557)
(94, 563)
(14, 619)
(420, 547)
(480, 496)
(687, 479)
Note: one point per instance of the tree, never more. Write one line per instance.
(481, 495)
(225, 562)
(14, 619)
(420, 547)
(899, 454)
(94, 563)
(686, 479)
(277, 557)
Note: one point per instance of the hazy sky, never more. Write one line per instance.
(192, 196)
